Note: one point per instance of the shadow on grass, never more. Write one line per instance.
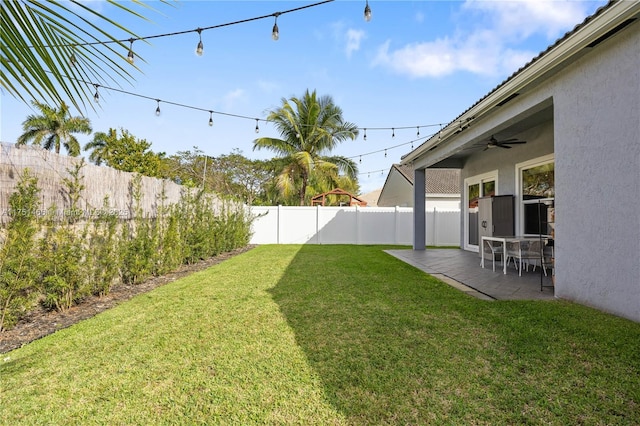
(392, 345)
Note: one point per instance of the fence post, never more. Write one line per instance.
(395, 225)
(357, 227)
(318, 240)
(435, 227)
(278, 225)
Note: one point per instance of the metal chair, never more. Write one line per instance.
(494, 248)
(525, 251)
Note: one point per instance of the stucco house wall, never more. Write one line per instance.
(597, 149)
(585, 111)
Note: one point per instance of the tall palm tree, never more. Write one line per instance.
(54, 128)
(99, 146)
(310, 127)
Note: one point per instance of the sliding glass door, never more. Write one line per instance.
(476, 187)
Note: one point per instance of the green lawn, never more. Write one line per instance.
(327, 335)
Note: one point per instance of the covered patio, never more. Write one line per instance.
(461, 269)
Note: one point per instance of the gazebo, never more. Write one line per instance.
(321, 199)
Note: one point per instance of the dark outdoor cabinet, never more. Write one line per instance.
(496, 216)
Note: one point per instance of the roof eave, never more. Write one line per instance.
(566, 49)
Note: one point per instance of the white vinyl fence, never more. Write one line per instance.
(350, 225)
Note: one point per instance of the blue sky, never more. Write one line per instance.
(416, 63)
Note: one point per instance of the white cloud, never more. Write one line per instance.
(492, 48)
(353, 38)
(233, 97)
(268, 86)
(526, 17)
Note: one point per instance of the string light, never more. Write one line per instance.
(257, 120)
(130, 56)
(418, 133)
(393, 132)
(367, 12)
(72, 60)
(200, 48)
(385, 153)
(365, 134)
(275, 33)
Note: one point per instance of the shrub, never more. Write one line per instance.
(18, 273)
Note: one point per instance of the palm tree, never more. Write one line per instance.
(53, 128)
(50, 49)
(310, 128)
(99, 146)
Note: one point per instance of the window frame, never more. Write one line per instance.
(519, 168)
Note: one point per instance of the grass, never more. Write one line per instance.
(327, 335)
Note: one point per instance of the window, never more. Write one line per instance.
(537, 191)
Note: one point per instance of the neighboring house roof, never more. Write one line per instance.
(438, 181)
(564, 50)
(398, 187)
(371, 197)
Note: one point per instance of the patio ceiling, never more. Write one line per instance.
(454, 152)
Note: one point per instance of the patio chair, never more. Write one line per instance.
(494, 248)
(522, 252)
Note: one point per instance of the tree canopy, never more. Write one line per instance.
(54, 50)
(54, 128)
(310, 128)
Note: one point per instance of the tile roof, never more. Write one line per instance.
(438, 181)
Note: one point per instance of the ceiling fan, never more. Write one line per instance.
(493, 142)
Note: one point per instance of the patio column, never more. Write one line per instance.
(419, 210)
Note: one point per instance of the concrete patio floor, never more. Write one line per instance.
(461, 269)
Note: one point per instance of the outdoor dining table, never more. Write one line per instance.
(504, 241)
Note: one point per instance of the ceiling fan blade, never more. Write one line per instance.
(515, 142)
(503, 146)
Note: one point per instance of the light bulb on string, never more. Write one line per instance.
(72, 60)
(275, 32)
(393, 132)
(96, 96)
(130, 55)
(418, 133)
(361, 159)
(200, 48)
(257, 128)
(385, 153)
(365, 134)
(367, 12)
(210, 118)
(158, 108)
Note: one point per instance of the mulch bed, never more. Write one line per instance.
(41, 322)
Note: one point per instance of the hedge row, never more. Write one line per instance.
(58, 262)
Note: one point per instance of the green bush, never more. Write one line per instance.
(74, 259)
(18, 272)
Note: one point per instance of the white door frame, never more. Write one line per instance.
(478, 179)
